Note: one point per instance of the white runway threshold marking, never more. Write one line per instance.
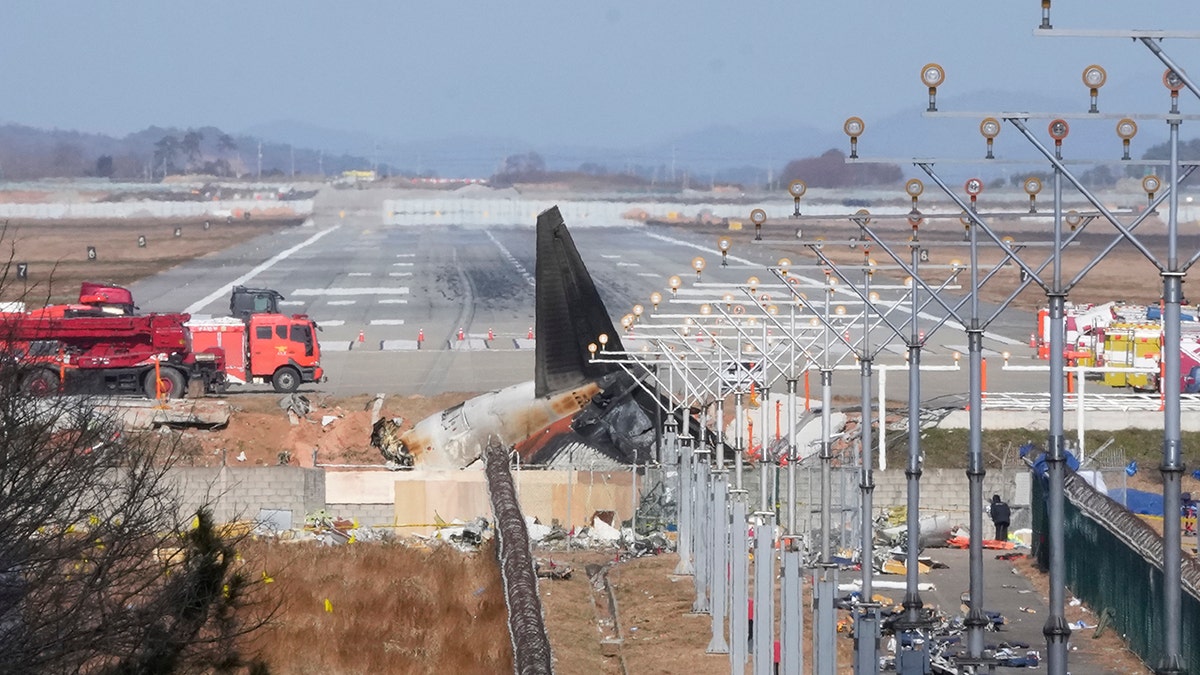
(406, 255)
(393, 301)
(223, 291)
(387, 322)
(342, 302)
(400, 274)
(365, 290)
(403, 264)
(359, 274)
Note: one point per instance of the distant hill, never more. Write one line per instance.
(28, 153)
(750, 155)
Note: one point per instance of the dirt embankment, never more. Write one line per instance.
(336, 430)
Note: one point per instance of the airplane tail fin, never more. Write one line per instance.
(569, 312)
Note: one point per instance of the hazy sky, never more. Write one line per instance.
(600, 72)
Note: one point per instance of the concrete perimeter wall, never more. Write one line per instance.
(157, 209)
(279, 494)
(411, 501)
(946, 491)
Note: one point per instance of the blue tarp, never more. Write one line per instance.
(1138, 501)
(1154, 313)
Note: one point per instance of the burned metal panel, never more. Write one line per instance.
(569, 313)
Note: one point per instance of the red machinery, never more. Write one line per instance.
(275, 348)
(89, 352)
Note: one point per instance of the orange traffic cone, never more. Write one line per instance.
(361, 336)
(491, 335)
(460, 334)
(420, 337)
(530, 335)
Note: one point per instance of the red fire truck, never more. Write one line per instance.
(275, 348)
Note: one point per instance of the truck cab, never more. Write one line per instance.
(246, 302)
(283, 350)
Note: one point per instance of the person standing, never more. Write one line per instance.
(1000, 516)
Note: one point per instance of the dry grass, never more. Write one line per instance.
(396, 609)
(56, 252)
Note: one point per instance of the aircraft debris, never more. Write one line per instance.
(548, 569)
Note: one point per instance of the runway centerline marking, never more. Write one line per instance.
(520, 268)
(365, 290)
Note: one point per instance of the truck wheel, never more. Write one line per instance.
(41, 382)
(286, 380)
(170, 382)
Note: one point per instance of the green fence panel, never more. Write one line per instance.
(1114, 561)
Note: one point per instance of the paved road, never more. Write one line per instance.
(1006, 593)
(379, 290)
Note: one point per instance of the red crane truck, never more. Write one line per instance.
(61, 351)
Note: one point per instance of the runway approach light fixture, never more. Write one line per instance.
(752, 284)
(674, 283)
(1151, 184)
(638, 311)
(728, 300)
(1073, 219)
(1094, 77)
(723, 245)
(796, 188)
(783, 264)
(592, 349)
(973, 187)
(854, 127)
(1126, 130)
(916, 220)
(933, 76)
(705, 309)
(698, 265)
(840, 310)
(656, 298)
(914, 187)
(758, 217)
(965, 219)
(1032, 185)
(990, 128)
(1045, 16)
(1174, 82)
(603, 339)
(862, 217)
(627, 322)
(1058, 131)
(1010, 244)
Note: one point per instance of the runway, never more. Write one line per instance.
(424, 310)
